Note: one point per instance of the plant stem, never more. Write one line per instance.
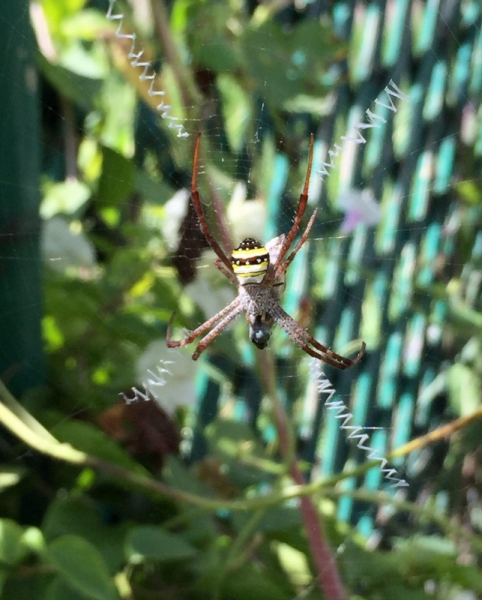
(328, 576)
(189, 92)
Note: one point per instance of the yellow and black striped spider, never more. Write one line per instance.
(258, 272)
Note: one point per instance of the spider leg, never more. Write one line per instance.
(284, 265)
(229, 274)
(302, 338)
(199, 210)
(234, 305)
(213, 334)
(299, 213)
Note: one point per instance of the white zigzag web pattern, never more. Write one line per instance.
(324, 386)
(153, 381)
(148, 73)
(375, 122)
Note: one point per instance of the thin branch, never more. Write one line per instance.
(190, 93)
(328, 576)
(433, 436)
(25, 427)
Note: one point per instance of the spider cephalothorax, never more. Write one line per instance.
(259, 274)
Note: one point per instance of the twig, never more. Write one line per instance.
(189, 91)
(328, 576)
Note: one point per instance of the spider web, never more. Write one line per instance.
(375, 280)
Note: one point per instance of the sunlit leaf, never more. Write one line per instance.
(87, 25)
(464, 389)
(66, 197)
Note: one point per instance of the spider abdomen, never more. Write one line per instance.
(250, 261)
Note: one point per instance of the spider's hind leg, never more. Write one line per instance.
(231, 309)
(307, 342)
(213, 334)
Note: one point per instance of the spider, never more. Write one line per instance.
(258, 272)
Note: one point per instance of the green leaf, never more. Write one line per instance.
(56, 11)
(295, 563)
(76, 515)
(464, 316)
(468, 576)
(264, 67)
(295, 62)
(59, 589)
(88, 438)
(219, 56)
(80, 61)
(82, 567)
(118, 178)
(81, 90)
(154, 192)
(278, 518)
(157, 544)
(427, 546)
(237, 109)
(254, 583)
(178, 476)
(33, 540)
(470, 191)
(66, 197)
(87, 24)
(464, 389)
(11, 548)
(10, 476)
(20, 587)
(4, 573)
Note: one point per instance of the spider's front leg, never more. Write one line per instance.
(200, 214)
(231, 276)
(299, 213)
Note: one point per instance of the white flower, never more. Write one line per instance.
(175, 211)
(246, 217)
(168, 374)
